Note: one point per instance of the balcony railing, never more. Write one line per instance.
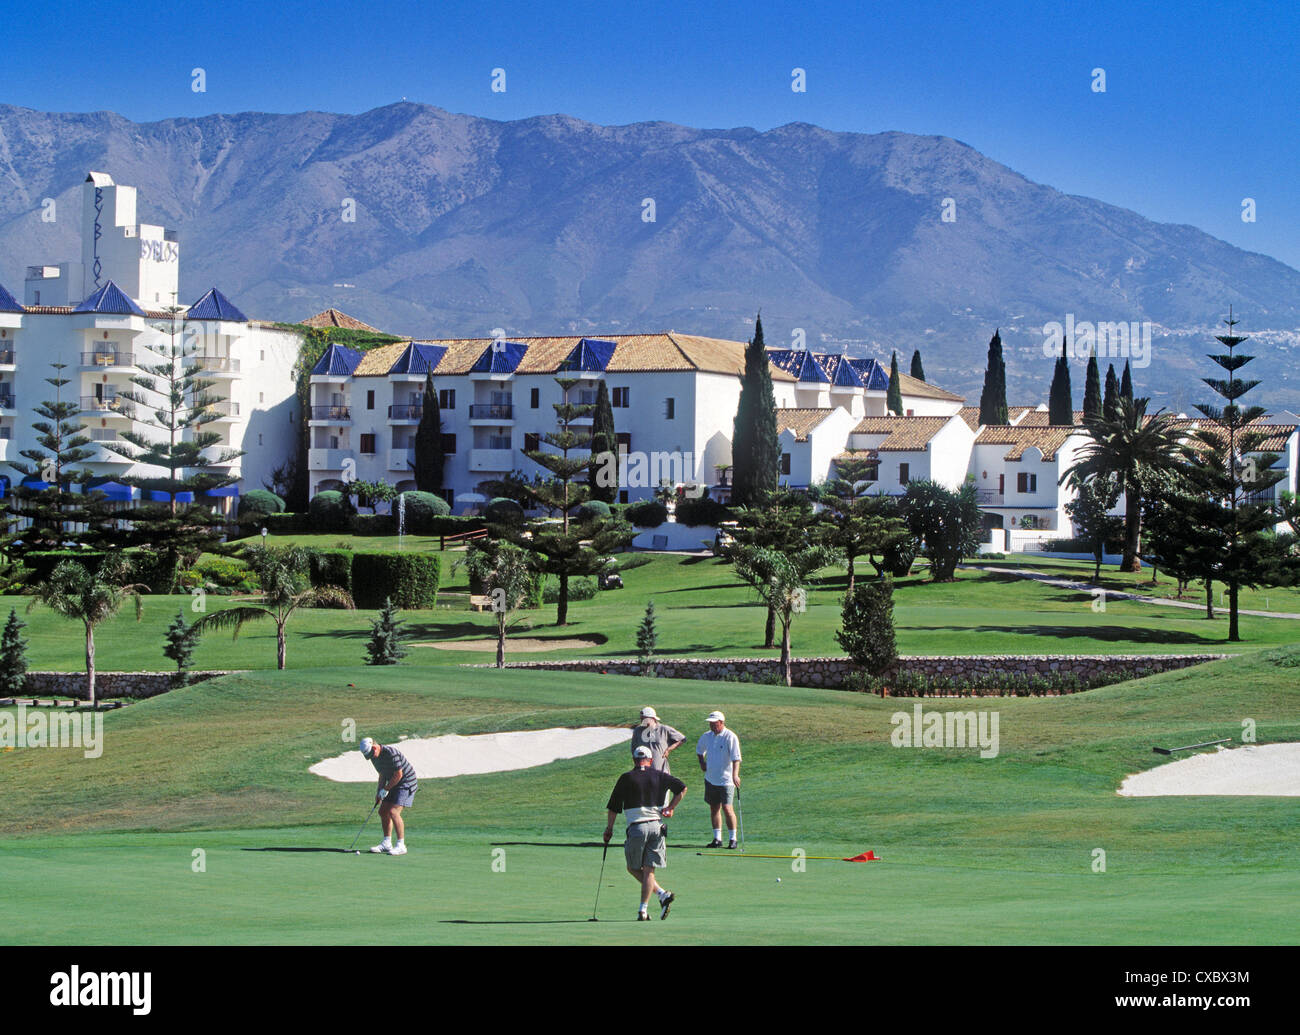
(218, 364)
(7, 402)
(94, 404)
(6, 357)
(990, 498)
(108, 359)
(492, 411)
(332, 412)
(406, 411)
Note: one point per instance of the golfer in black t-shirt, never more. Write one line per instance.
(639, 795)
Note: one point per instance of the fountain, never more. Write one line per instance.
(401, 518)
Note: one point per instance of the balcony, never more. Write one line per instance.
(6, 357)
(492, 413)
(989, 498)
(7, 402)
(218, 366)
(401, 460)
(336, 413)
(102, 359)
(406, 412)
(492, 460)
(327, 459)
(224, 410)
(109, 403)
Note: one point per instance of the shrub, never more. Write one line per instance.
(42, 562)
(593, 509)
(373, 524)
(502, 511)
(156, 570)
(224, 573)
(287, 524)
(581, 587)
(330, 511)
(331, 568)
(868, 632)
(422, 508)
(259, 501)
(385, 646)
(647, 514)
(701, 511)
(410, 579)
(13, 656)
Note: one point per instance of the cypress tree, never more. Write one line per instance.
(1126, 385)
(429, 458)
(993, 399)
(604, 450)
(918, 371)
(755, 451)
(894, 398)
(13, 656)
(1060, 401)
(1092, 391)
(1110, 404)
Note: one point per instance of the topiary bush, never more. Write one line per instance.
(422, 510)
(330, 511)
(410, 579)
(701, 511)
(224, 573)
(373, 524)
(502, 511)
(647, 514)
(259, 501)
(593, 509)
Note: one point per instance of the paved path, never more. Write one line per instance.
(1051, 580)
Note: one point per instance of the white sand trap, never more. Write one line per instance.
(454, 755)
(521, 644)
(1271, 770)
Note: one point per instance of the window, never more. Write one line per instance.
(261, 397)
(532, 442)
(624, 439)
(904, 473)
(449, 495)
(620, 398)
(259, 439)
(534, 398)
(447, 399)
(668, 408)
(449, 442)
(368, 443)
(785, 463)
(370, 400)
(622, 495)
(1026, 482)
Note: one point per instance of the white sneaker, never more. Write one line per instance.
(382, 848)
(397, 850)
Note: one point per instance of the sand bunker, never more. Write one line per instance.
(454, 755)
(1271, 770)
(521, 644)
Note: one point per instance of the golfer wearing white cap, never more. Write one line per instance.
(396, 790)
(719, 755)
(639, 795)
(662, 740)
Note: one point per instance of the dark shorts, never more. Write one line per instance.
(645, 846)
(715, 795)
(400, 795)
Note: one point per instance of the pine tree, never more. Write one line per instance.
(13, 656)
(181, 641)
(867, 626)
(1110, 404)
(755, 451)
(646, 638)
(429, 459)
(385, 646)
(1126, 385)
(918, 371)
(894, 397)
(993, 399)
(1092, 391)
(1060, 403)
(604, 450)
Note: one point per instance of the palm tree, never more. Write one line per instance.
(282, 574)
(1129, 447)
(73, 591)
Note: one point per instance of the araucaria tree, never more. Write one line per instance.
(894, 395)
(993, 398)
(604, 450)
(429, 458)
(646, 639)
(182, 638)
(283, 576)
(856, 525)
(76, 593)
(755, 451)
(1233, 476)
(385, 645)
(781, 580)
(785, 524)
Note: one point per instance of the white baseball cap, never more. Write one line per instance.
(648, 713)
(365, 745)
(643, 752)
(716, 717)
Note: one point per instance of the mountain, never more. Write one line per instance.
(465, 224)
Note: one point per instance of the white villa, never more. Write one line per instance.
(99, 318)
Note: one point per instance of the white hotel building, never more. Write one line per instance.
(99, 317)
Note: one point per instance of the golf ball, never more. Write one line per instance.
(778, 880)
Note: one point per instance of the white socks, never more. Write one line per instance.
(717, 833)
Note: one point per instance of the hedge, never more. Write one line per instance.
(702, 511)
(647, 514)
(287, 524)
(330, 511)
(331, 568)
(411, 579)
(41, 563)
(259, 501)
(422, 508)
(373, 524)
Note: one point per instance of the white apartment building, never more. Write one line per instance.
(101, 317)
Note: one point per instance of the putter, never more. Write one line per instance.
(1189, 747)
(740, 819)
(363, 825)
(601, 879)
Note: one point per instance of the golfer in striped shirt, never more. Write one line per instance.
(396, 790)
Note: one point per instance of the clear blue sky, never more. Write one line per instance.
(1200, 108)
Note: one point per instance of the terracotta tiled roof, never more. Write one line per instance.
(910, 385)
(800, 421)
(1275, 442)
(902, 434)
(1020, 438)
(375, 362)
(334, 318)
(1038, 419)
(971, 415)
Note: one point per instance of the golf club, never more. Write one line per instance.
(603, 852)
(1189, 747)
(740, 819)
(363, 825)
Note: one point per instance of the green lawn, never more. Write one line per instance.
(974, 850)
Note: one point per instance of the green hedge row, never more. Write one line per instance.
(411, 579)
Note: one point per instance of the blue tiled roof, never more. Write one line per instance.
(872, 374)
(418, 358)
(215, 306)
(9, 304)
(500, 358)
(840, 371)
(338, 359)
(109, 299)
(798, 362)
(589, 354)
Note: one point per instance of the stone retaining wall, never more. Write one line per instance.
(831, 672)
(108, 684)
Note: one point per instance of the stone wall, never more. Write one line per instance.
(108, 684)
(831, 672)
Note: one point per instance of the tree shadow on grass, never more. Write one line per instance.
(1109, 633)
